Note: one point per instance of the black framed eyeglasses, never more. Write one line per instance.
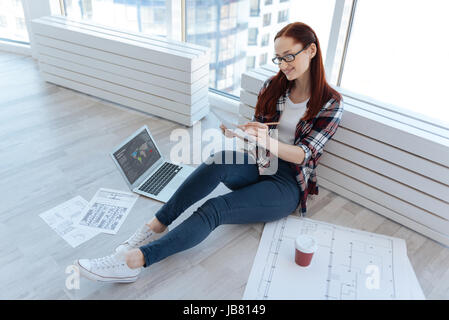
(288, 57)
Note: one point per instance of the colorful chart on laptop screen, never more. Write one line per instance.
(142, 153)
(137, 156)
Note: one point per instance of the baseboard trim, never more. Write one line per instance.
(18, 48)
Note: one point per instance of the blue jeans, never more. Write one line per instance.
(254, 198)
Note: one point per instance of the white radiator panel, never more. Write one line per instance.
(123, 90)
(162, 77)
(121, 68)
(136, 64)
(397, 172)
(121, 45)
(188, 120)
(396, 156)
(382, 182)
(60, 65)
(422, 228)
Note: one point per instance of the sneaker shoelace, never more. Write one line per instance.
(106, 262)
(138, 237)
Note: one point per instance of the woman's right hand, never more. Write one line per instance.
(227, 133)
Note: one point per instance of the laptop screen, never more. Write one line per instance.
(137, 156)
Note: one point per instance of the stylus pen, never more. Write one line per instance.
(270, 123)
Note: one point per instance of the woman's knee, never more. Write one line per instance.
(293, 202)
(210, 211)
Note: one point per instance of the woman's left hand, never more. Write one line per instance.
(259, 131)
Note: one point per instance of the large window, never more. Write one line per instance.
(404, 60)
(12, 21)
(229, 28)
(222, 26)
(147, 16)
(233, 30)
(394, 52)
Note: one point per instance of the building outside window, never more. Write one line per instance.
(12, 22)
(283, 16)
(263, 59)
(266, 19)
(20, 23)
(254, 8)
(223, 27)
(250, 62)
(205, 19)
(3, 22)
(265, 40)
(252, 36)
(147, 16)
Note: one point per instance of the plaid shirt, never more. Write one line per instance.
(311, 136)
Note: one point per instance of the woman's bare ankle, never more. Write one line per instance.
(156, 226)
(134, 258)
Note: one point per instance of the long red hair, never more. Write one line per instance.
(321, 91)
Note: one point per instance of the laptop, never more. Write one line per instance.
(144, 168)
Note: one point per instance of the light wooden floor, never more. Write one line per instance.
(54, 145)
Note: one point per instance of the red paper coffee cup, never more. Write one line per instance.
(305, 247)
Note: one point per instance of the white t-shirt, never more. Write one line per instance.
(289, 119)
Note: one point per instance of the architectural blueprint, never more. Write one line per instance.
(63, 219)
(349, 264)
(107, 210)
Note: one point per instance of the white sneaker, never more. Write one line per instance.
(141, 237)
(111, 268)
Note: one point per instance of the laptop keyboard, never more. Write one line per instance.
(160, 178)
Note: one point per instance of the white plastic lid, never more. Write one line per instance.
(306, 244)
